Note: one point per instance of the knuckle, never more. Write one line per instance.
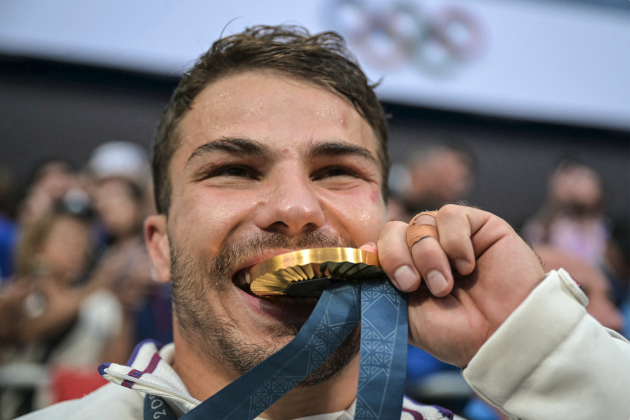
(390, 256)
(427, 252)
(393, 253)
(457, 250)
(500, 226)
(390, 227)
(452, 242)
(449, 210)
(504, 229)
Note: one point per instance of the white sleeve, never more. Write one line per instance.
(551, 360)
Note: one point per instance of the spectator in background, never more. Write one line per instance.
(120, 189)
(572, 219)
(52, 313)
(53, 259)
(53, 184)
(434, 175)
(120, 159)
(83, 291)
(49, 182)
(124, 266)
(118, 203)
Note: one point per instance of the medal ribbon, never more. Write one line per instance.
(382, 310)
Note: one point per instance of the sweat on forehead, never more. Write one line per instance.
(241, 100)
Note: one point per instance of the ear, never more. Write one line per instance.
(156, 238)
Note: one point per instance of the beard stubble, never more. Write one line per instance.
(218, 338)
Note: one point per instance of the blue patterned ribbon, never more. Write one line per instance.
(155, 408)
(382, 311)
(383, 365)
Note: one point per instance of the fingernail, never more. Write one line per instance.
(436, 282)
(405, 278)
(462, 266)
(426, 220)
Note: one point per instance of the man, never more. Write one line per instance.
(275, 142)
(436, 174)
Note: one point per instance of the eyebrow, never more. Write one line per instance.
(234, 146)
(333, 149)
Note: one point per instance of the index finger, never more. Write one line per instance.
(395, 257)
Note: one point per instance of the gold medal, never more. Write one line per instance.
(307, 272)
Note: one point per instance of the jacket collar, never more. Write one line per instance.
(149, 371)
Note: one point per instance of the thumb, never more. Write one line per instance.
(370, 247)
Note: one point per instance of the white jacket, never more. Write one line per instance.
(549, 360)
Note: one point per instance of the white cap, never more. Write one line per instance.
(120, 158)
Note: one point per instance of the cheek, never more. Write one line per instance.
(361, 213)
(206, 218)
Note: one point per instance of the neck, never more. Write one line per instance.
(204, 378)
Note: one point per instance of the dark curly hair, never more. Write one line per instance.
(322, 59)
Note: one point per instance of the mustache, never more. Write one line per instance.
(232, 255)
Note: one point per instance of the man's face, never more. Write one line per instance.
(267, 164)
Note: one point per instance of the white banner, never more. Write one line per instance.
(547, 61)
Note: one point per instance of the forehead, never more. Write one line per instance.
(273, 108)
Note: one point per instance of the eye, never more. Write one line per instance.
(335, 171)
(234, 171)
(227, 175)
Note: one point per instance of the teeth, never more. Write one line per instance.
(242, 279)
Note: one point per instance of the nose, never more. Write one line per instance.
(292, 206)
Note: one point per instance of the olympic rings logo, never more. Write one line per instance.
(391, 36)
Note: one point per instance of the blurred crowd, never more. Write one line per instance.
(571, 231)
(75, 277)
